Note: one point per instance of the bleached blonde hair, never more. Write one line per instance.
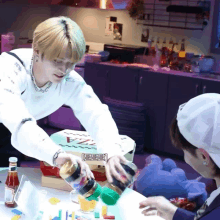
(55, 35)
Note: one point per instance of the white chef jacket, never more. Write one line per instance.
(72, 91)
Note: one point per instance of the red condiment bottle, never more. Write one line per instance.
(12, 183)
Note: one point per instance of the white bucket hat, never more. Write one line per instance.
(199, 123)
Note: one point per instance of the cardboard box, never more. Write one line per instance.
(79, 143)
(58, 183)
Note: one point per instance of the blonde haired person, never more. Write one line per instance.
(196, 131)
(36, 82)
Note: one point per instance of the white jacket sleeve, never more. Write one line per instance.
(95, 117)
(27, 137)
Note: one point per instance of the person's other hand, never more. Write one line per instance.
(164, 207)
(64, 157)
(113, 165)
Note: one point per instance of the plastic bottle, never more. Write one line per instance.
(12, 183)
(89, 189)
(111, 192)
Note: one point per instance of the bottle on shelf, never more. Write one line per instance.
(164, 54)
(158, 41)
(153, 51)
(12, 183)
(171, 41)
(164, 58)
(172, 57)
(89, 189)
(182, 52)
(111, 192)
(164, 42)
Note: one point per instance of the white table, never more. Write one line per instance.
(127, 207)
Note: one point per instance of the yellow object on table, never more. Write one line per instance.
(54, 201)
(85, 205)
(16, 217)
(104, 210)
(73, 215)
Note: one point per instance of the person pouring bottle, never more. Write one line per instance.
(196, 131)
(37, 81)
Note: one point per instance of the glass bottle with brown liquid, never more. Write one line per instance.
(12, 183)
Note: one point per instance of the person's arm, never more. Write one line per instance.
(95, 117)
(164, 209)
(182, 214)
(27, 136)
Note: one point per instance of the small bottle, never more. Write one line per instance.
(12, 183)
(111, 192)
(163, 59)
(89, 189)
(182, 52)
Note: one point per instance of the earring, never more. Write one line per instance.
(204, 163)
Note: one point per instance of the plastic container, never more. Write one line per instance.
(111, 192)
(88, 188)
(30, 200)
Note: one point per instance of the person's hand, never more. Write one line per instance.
(113, 165)
(164, 207)
(64, 157)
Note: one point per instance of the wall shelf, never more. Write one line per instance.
(155, 14)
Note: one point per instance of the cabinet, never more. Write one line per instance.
(181, 89)
(209, 86)
(124, 83)
(152, 90)
(161, 93)
(97, 76)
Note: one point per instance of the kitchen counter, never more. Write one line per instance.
(212, 77)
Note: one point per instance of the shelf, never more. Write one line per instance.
(172, 27)
(156, 15)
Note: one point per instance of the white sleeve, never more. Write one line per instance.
(95, 117)
(27, 137)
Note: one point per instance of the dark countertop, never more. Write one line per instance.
(211, 76)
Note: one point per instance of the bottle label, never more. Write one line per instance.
(9, 195)
(12, 168)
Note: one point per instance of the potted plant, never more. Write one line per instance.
(136, 9)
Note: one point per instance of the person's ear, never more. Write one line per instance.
(36, 51)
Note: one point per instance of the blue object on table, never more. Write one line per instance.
(104, 55)
(17, 212)
(164, 178)
(66, 215)
(56, 218)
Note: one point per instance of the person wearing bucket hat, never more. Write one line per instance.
(195, 130)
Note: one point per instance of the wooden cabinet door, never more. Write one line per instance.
(123, 83)
(97, 76)
(152, 90)
(181, 89)
(209, 86)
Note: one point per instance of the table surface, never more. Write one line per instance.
(127, 207)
